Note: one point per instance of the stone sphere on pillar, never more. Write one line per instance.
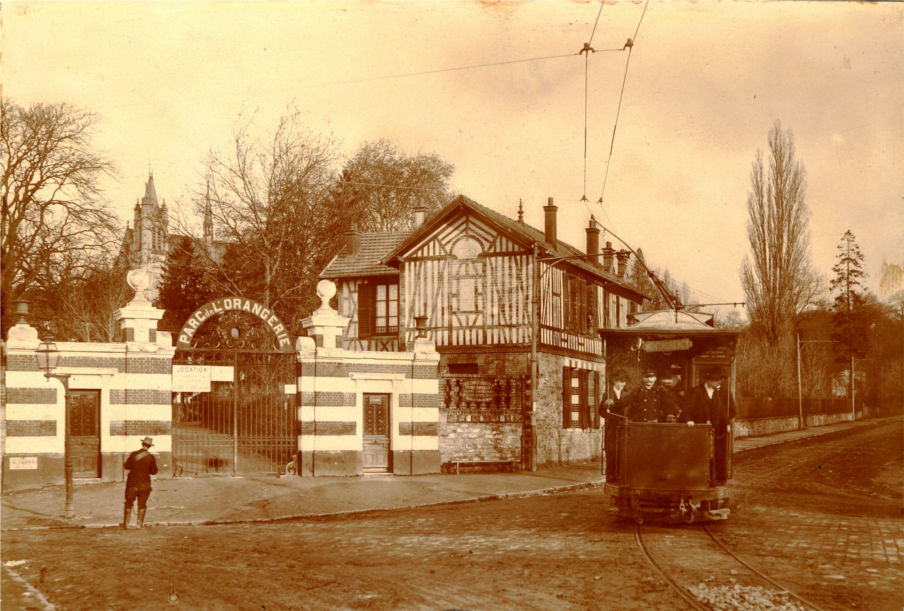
(326, 289)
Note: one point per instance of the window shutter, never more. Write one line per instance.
(605, 305)
(566, 301)
(597, 397)
(566, 397)
(584, 398)
(591, 308)
(366, 310)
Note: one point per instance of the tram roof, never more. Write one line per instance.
(671, 322)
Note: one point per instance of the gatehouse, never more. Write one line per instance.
(227, 397)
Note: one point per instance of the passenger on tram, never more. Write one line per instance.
(673, 395)
(708, 404)
(703, 403)
(613, 404)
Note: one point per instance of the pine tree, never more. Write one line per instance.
(848, 316)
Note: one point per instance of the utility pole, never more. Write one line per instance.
(800, 398)
(853, 403)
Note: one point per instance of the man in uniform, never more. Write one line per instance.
(647, 404)
(141, 465)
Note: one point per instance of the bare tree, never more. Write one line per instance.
(80, 306)
(776, 277)
(53, 221)
(268, 205)
(384, 185)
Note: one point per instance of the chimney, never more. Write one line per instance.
(352, 241)
(593, 241)
(623, 256)
(550, 228)
(420, 212)
(608, 252)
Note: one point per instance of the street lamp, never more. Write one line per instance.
(48, 359)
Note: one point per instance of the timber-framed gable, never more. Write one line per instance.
(514, 314)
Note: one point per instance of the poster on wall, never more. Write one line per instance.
(191, 378)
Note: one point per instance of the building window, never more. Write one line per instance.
(378, 309)
(580, 305)
(468, 276)
(463, 368)
(387, 309)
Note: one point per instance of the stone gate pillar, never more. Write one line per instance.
(334, 385)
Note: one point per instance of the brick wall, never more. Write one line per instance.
(132, 385)
(332, 389)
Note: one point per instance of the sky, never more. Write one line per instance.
(700, 90)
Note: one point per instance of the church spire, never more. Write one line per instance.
(150, 193)
(208, 217)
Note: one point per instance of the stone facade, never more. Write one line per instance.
(484, 398)
(557, 444)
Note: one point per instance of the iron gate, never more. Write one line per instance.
(245, 423)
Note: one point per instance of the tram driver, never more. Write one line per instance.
(648, 402)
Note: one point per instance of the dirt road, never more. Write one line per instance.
(822, 515)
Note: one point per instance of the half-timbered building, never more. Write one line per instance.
(514, 313)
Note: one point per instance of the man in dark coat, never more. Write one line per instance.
(141, 465)
(708, 405)
(647, 403)
(674, 394)
(613, 404)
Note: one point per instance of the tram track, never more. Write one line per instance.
(700, 569)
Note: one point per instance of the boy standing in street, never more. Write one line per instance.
(141, 465)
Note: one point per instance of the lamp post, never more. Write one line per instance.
(48, 359)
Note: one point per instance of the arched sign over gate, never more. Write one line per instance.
(227, 304)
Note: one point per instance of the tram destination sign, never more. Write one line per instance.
(667, 345)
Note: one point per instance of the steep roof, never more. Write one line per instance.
(368, 260)
(517, 230)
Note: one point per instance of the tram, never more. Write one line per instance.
(676, 466)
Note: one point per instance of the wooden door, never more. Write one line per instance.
(84, 432)
(376, 432)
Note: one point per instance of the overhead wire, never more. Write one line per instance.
(598, 13)
(587, 50)
(451, 69)
(630, 46)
